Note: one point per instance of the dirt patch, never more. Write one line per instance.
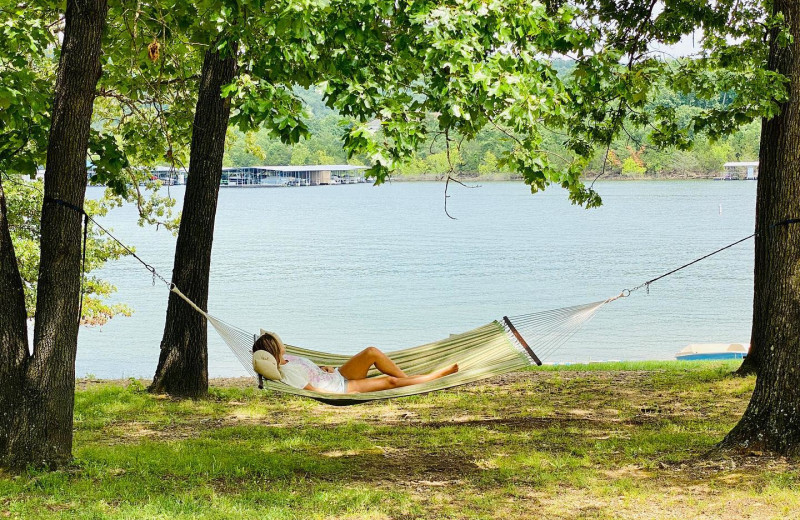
(84, 384)
(443, 466)
(233, 382)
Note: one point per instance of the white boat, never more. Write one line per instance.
(706, 351)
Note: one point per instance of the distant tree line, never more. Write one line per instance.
(631, 155)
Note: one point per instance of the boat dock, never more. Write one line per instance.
(734, 171)
(283, 176)
(272, 176)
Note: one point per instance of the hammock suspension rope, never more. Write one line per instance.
(492, 349)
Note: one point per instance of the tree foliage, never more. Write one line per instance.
(549, 89)
(546, 92)
(327, 127)
(24, 201)
(27, 72)
(122, 142)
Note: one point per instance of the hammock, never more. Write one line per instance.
(493, 349)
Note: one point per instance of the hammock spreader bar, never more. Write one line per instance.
(521, 340)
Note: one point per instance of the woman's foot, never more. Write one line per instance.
(447, 371)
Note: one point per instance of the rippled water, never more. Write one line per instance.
(342, 267)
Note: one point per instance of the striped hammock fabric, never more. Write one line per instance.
(490, 350)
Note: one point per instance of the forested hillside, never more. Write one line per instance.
(630, 157)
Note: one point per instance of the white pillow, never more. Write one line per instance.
(265, 364)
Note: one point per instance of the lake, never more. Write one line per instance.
(339, 268)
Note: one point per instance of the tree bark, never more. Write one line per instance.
(772, 419)
(183, 363)
(37, 424)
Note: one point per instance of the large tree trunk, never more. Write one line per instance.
(37, 419)
(183, 362)
(772, 419)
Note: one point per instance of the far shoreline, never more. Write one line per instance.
(501, 177)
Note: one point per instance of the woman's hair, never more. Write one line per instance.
(270, 343)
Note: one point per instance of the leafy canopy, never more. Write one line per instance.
(405, 73)
(410, 71)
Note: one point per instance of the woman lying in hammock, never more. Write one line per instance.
(350, 378)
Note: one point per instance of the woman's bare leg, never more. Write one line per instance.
(358, 365)
(374, 384)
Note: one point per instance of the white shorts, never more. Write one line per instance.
(336, 383)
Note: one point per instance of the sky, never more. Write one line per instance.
(688, 45)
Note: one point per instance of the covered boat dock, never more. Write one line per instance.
(280, 176)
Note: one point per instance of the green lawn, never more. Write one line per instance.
(613, 440)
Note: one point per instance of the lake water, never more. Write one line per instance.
(339, 268)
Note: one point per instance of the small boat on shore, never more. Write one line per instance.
(707, 351)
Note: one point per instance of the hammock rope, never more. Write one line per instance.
(493, 349)
(549, 330)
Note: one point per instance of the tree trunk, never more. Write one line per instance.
(38, 424)
(13, 332)
(183, 362)
(772, 419)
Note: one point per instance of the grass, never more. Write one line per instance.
(607, 440)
